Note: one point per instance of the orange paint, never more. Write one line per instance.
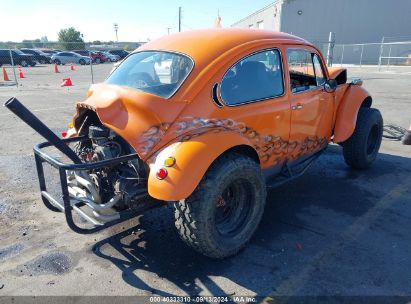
(190, 127)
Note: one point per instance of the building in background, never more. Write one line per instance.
(352, 21)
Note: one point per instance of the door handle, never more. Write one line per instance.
(297, 107)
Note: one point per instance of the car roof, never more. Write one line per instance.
(211, 43)
(32, 50)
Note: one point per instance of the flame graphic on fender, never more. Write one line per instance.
(270, 148)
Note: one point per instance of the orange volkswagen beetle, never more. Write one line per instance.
(205, 119)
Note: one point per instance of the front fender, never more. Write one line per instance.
(347, 112)
(193, 158)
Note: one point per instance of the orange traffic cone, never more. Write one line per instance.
(21, 74)
(5, 76)
(56, 69)
(66, 82)
(72, 67)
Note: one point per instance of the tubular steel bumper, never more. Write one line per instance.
(69, 205)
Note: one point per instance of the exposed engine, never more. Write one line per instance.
(119, 187)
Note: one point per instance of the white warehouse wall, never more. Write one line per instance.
(353, 21)
(270, 15)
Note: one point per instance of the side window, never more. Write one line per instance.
(302, 75)
(319, 72)
(256, 77)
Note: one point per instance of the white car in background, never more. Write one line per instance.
(69, 57)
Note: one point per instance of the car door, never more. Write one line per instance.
(253, 92)
(70, 58)
(62, 57)
(33, 55)
(311, 107)
(4, 57)
(17, 59)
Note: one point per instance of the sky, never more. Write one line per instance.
(137, 20)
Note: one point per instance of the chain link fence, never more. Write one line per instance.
(391, 52)
(41, 64)
(384, 54)
(48, 64)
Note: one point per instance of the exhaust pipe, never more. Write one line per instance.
(29, 118)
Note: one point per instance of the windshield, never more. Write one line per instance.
(18, 52)
(156, 72)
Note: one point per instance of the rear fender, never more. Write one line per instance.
(193, 158)
(354, 98)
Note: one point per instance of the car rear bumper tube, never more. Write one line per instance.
(68, 203)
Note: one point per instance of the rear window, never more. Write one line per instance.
(156, 72)
(18, 52)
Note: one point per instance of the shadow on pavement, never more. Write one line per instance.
(329, 232)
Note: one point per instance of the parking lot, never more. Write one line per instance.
(334, 231)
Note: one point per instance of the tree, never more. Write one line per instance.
(71, 39)
(37, 43)
(27, 43)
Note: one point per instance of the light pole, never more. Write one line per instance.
(116, 30)
(179, 18)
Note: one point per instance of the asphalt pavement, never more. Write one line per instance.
(334, 231)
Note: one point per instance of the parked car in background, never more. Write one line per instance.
(19, 58)
(49, 52)
(83, 53)
(69, 57)
(109, 57)
(38, 55)
(97, 58)
(121, 53)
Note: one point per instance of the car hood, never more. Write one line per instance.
(142, 119)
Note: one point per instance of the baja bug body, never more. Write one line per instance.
(205, 119)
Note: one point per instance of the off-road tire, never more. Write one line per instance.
(361, 149)
(196, 217)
